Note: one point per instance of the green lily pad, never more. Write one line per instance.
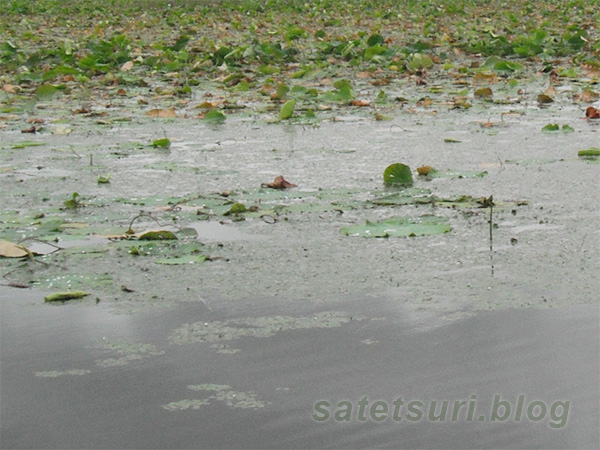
(551, 128)
(433, 173)
(215, 116)
(397, 174)
(158, 235)
(287, 110)
(161, 143)
(590, 154)
(410, 196)
(46, 91)
(400, 226)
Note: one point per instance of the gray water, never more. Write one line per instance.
(78, 375)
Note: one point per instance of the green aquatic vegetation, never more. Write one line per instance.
(65, 296)
(257, 327)
(161, 143)
(400, 227)
(287, 110)
(214, 116)
(397, 174)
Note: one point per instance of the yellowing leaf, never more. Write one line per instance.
(10, 250)
(162, 113)
(127, 66)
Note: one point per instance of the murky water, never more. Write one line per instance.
(250, 376)
(287, 312)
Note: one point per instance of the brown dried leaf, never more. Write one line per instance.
(586, 96)
(11, 88)
(29, 130)
(127, 66)
(592, 113)
(424, 170)
(10, 250)
(361, 103)
(279, 183)
(162, 113)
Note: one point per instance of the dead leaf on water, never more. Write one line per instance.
(10, 250)
(279, 183)
(11, 88)
(592, 113)
(586, 96)
(162, 113)
(543, 98)
(127, 66)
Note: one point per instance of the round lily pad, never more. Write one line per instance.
(400, 226)
(397, 174)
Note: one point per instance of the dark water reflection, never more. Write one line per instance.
(80, 376)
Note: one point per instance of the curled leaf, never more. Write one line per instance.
(592, 113)
(279, 183)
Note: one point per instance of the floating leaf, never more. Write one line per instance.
(158, 235)
(452, 141)
(551, 128)
(424, 170)
(397, 174)
(544, 98)
(161, 143)
(162, 113)
(400, 226)
(214, 116)
(434, 173)
(484, 92)
(409, 196)
(420, 61)
(593, 151)
(25, 144)
(104, 179)
(592, 113)
(64, 296)
(287, 110)
(237, 208)
(567, 128)
(187, 259)
(10, 250)
(46, 92)
(591, 154)
(73, 202)
(279, 183)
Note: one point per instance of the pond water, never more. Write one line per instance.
(80, 375)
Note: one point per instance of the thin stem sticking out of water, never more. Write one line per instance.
(489, 202)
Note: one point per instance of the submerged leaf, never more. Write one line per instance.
(400, 226)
